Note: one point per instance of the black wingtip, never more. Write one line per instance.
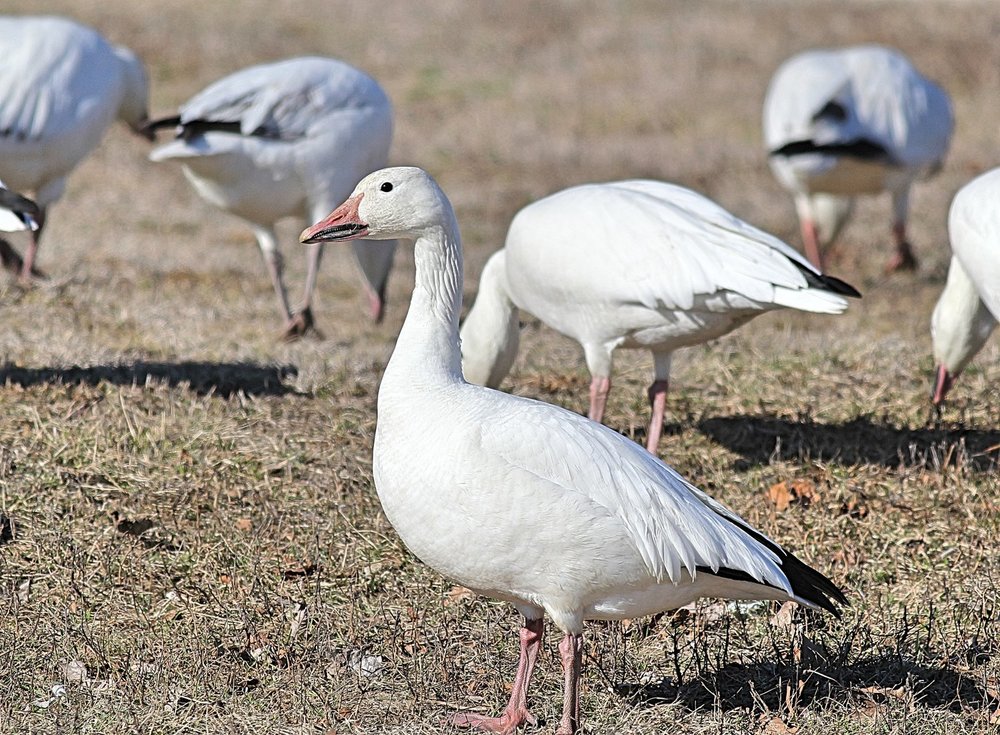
(17, 203)
(838, 286)
(863, 149)
(150, 128)
(812, 585)
(826, 282)
(807, 584)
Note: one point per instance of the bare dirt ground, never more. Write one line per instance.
(191, 541)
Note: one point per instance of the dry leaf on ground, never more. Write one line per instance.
(777, 726)
(458, 594)
(786, 492)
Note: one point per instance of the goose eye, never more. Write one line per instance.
(386, 186)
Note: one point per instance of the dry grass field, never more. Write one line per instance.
(190, 540)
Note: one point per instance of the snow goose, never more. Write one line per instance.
(969, 307)
(635, 264)
(61, 87)
(843, 122)
(525, 501)
(281, 139)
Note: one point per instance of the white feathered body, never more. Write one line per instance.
(61, 86)
(969, 306)
(531, 503)
(635, 264)
(974, 228)
(645, 263)
(863, 93)
(310, 128)
(543, 508)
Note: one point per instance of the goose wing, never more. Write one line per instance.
(54, 77)
(285, 100)
(668, 248)
(864, 101)
(673, 526)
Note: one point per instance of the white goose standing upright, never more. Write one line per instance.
(633, 264)
(969, 307)
(839, 123)
(282, 139)
(61, 86)
(528, 502)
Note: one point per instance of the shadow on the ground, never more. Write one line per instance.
(204, 378)
(884, 677)
(759, 439)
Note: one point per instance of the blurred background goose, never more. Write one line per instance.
(969, 307)
(281, 139)
(634, 264)
(61, 87)
(525, 501)
(839, 123)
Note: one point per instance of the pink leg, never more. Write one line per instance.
(903, 259)
(658, 404)
(516, 712)
(571, 653)
(376, 306)
(28, 266)
(28, 270)
(810, 241)
(301, 322)
(599, 389)
(298, 325)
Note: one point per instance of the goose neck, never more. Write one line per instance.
(427, 349)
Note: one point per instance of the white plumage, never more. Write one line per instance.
(839, 123)
(635, 264)
(525, 501)
(969, 307)
(282, 139)
(61, 87)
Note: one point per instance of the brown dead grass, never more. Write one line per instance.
(187, 507)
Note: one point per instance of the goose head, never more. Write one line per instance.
(133, 109)
(960, 325)
(402, 202)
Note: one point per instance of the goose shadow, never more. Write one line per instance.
(880, 677)
(762, 438)
(203, 378)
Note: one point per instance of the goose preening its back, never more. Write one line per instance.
(969, 307)
(635, 264)
(839, 123)
(282, 139)
(528, 502)
(61, 87)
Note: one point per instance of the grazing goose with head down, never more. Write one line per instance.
(969, 307)
(633, 264)
(283, 139)
(527, 502)
(839, 123)
(61, 87)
